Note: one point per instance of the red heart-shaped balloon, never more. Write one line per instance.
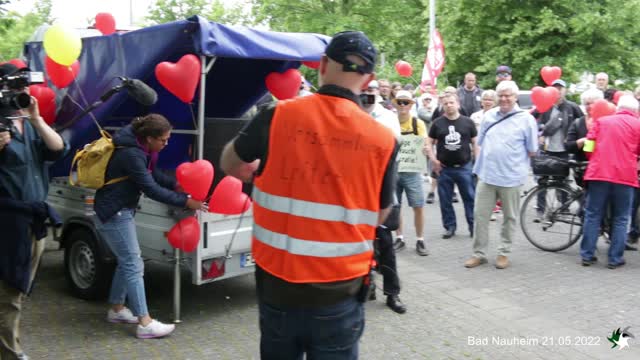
(550, 74)
(600, 108)
(185, 234)
(61, 76)
(106, 23)
(312, 64)
(46, 102)
(228, 197)
(195, 178)
(181, 78)
(403, 68)
(284, 85)
(544, 98)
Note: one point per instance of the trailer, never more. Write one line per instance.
(234, 63)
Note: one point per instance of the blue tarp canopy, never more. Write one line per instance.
(244, 57)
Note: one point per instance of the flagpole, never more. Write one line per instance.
(432, 28)
(432, 17)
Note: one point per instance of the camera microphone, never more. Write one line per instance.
(140, 91)
(137, 89)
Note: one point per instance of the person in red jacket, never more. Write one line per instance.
(611, 179)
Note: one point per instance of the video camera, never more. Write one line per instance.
(11, 95)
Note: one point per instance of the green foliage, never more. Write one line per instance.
(15, 29)
(577, 35)
(398, 28)
(163, 11)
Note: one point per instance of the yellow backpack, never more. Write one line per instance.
(92, 161)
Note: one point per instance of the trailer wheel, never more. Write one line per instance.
(87, 275)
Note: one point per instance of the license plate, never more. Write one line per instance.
(247, 260)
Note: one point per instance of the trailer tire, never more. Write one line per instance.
(88, 276)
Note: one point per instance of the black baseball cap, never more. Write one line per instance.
(503, 69)
(354, 43)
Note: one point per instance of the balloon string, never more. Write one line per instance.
(235, 232)
(414, 80)
(83, 98)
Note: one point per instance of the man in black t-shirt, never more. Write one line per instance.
(455, 138)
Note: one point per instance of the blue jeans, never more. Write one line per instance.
(323, 333)
(619, 196)
(463, 177)
(412, 184)
(634, 231)
(119, 232)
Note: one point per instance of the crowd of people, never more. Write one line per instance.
(480, 142)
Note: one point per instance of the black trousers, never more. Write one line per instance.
(386, 258)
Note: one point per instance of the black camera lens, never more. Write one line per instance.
(15, 100)
(22, 100)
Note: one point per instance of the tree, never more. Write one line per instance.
(163, 11)
(399, 29)
(16, 29)
(577, 35)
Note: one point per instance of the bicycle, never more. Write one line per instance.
(558, 225)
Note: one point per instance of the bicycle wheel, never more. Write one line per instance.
(551, 217)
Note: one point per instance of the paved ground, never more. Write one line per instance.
(546, 306)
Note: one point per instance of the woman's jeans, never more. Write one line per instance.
(119, 232)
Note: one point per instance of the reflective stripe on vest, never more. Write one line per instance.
(310, 247)
(314, 210)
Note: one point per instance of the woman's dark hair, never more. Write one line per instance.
(609, 94)
(154, 125)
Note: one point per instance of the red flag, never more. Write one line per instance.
(434, 62)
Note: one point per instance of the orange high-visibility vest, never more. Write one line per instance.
(317, 200)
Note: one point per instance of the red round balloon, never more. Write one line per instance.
(61, 76)
(195, 178)
(600, 108)
(284, 85)
(105, 23)
(312, 64)
(550, 74)
(185, 235)
(46, 102)
(18, 63)
(181, 78)
(403, 68)
(228, 197)
(544, 98)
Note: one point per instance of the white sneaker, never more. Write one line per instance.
(122, 316)
(155, 329)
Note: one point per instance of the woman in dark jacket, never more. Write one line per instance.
(577, 133)
(137, 150)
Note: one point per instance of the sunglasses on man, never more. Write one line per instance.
(504, 75)
(403, 102)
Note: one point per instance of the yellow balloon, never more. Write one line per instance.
(62, 44)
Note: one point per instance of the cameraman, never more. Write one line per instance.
(25, 148)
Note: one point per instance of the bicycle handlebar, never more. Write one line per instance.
(576, 163)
